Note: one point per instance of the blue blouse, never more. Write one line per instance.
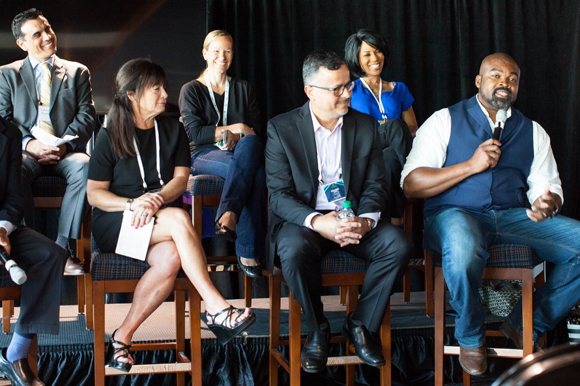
(394, 102)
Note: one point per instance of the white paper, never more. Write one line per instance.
(49, 139)
(134, 242)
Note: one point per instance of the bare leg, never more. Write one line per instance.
(153, 289)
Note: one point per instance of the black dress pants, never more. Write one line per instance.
(300, 249)
(43, 261)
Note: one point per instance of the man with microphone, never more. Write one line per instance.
(41, 259)
(485, 185)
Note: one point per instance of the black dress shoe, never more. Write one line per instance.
(225, 233)
(315, 350)
(250, 270)
(367, 349)
(19, 373)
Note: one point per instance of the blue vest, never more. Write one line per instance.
(501, 187)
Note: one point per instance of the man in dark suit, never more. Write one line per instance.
(41, 259)
(319, 147)
(49, 94)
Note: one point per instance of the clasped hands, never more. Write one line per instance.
(45, 154)
(342, 232)
(145, 207)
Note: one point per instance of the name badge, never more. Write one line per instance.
(334, 191)
(43, 113)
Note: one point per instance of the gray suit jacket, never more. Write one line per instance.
(292, 168)
(71, 102)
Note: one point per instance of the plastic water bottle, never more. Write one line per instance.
(346, 211)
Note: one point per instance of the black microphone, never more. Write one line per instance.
(16, 273)
(500, 118)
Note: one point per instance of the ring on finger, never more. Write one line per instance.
(145, 215)
(544, 214)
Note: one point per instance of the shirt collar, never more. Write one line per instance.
(317, 124)
(36, 62)
(509, 112)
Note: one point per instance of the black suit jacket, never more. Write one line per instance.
(11, 201)
(292, 168)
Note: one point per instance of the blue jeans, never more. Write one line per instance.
(463, 237)
(244, 190)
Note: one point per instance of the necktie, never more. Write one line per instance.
(45, 86)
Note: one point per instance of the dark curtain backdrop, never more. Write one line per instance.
(436, 47)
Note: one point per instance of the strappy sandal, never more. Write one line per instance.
(228, 328)
(110, 359)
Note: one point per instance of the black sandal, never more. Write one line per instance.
(228, 329)
(110, 359)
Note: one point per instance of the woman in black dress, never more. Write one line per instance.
(214, 106)
(141, 164)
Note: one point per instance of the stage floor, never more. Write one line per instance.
(408, 321)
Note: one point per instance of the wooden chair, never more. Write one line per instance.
(10, 291)
(205, 191)
(112, 273)
(506, 262)
(48, 192)
(338, 269)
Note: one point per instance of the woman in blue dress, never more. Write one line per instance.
(390, 103)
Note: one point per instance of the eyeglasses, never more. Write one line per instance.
(337, 91)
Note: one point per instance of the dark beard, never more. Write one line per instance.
(500, 103)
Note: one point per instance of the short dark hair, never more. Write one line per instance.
(22, 18)
(135, 76)
(352, 49)
(321, 58)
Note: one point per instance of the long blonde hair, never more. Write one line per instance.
(210, 38)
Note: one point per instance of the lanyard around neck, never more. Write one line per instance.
(226, 100)
(379, 99)
(322, 162)
(158, 163)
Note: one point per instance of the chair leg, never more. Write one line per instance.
(99, 333)
(295, 326)
(179, 299)
(385, 332)
(407, 285)
(428, 284)
(6, 308)
(195, 328)
(81, 293)
(342, 295)
(466, 378)
(439, 325)
(351, 299)
(33, 355)
(528, 312)
(89, 297)
(196, 214)
(248, 290)
(275, 294)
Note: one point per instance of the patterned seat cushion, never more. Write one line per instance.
(205, 185)
(5, 280)
(504, 256)
(342, 262)
(49, 186)
(110, 266)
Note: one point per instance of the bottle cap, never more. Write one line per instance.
(346, 205)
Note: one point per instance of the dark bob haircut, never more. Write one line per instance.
(22, 18)
(352, 49)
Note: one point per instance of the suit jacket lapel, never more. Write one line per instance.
(348, 133)
(56, 81)
(306, 131)
(27, 75)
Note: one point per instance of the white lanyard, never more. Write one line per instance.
(379, 99)
(226, 100)
(140, 162)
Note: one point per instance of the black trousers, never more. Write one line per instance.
(387, 249)
(43, 261)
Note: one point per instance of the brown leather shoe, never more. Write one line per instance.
(516, 338)
(473, 360)
(73, 267)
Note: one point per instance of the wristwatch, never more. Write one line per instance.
(129, 202)
(369, 223)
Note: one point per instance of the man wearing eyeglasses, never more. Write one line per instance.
(318, 156)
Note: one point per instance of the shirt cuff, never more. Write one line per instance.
(25, 141)
(374, 218)
(8, 226)
(308, 221)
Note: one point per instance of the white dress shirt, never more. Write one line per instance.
(328, 153)
(430, 150)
